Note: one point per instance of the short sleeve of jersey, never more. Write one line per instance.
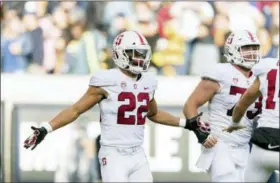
(154, 87)
(152, 83)
(214, 73)
(102, 78)
(263, 66)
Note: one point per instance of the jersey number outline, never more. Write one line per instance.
(238, 90)
(271, 89)
(131, 106)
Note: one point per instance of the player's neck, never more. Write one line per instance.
(129, 74)
(243, 70)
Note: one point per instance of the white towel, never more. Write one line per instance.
(222, 158)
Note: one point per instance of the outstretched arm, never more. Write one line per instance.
(87, 101)
(250, 96)
(160, 116)
(70, 114)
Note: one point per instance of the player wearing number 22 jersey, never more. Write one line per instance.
(221, 86)
(126, 97)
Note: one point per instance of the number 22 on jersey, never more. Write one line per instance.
(132, 119)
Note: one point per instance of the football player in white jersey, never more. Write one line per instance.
(264, 157)
(221, 86)
(126, 97)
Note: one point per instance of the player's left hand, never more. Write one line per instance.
(234, 128)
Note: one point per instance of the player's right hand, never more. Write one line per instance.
(36, 138)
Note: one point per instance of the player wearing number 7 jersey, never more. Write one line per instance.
(126, 97)
(264, 157)
(222, 86)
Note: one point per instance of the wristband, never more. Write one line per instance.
(234, 124)
(182, 122)
(47, 126)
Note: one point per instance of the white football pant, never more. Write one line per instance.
(229, 163)
(262, 163)
(124, 165)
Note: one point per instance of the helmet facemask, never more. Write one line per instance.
(248, 55)
(139, 59)
(134, 60)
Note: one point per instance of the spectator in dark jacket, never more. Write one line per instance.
(32, 26)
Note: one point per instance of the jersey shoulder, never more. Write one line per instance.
(265, 65)
(104, 78)
(217, 72)
(150, 78)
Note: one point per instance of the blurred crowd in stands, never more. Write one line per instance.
(75, 37)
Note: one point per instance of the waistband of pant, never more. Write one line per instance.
(125, 149)
(236, 145)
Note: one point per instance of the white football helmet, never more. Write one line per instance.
(131, 51)
(235, 54)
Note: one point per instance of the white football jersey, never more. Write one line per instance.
(232, 85)
(268, 72)
(123, 112)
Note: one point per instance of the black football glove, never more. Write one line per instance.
(201, 130)
(36, 138)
